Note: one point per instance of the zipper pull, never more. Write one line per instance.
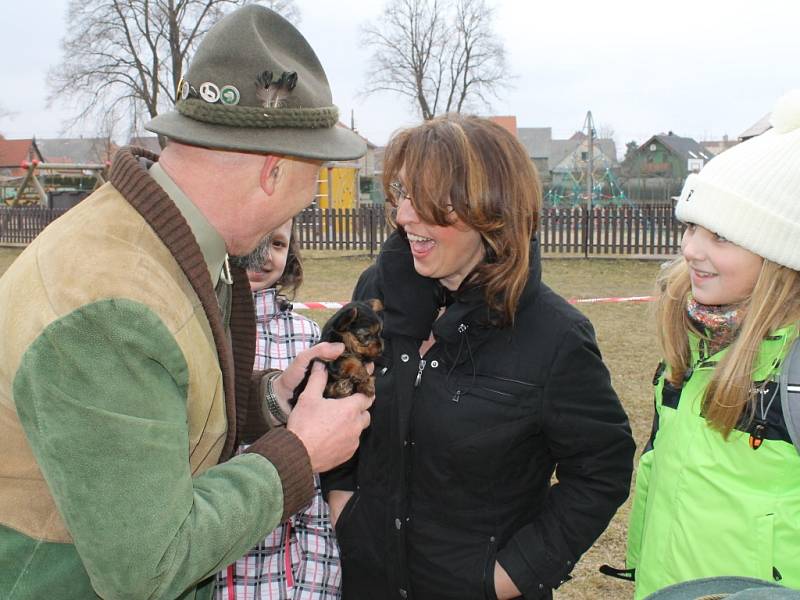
(758, 433)
(457, 396)
(419, 373)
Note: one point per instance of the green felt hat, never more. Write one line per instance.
(255, 85)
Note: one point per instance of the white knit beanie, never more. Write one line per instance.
(750, 194)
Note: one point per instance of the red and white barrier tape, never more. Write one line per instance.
(336, 305)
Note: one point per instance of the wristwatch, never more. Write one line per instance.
(271, 400)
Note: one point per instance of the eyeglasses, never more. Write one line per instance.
(397, 193)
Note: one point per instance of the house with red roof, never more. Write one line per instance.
(14, 152)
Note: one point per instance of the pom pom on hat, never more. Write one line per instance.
(786, 114)
(749, 194)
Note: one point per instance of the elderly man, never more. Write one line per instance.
(128, 341)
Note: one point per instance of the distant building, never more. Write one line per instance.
(569, 158)
(659, 167)
(669, 156)
(148, 142)
(716, 147)
(14, 152)
(509, 123)
(78, 150)
(538, 141)
(756, 128)
(561, 162)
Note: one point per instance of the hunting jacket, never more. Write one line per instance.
(121, 394)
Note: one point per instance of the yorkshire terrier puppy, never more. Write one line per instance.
(358, 326)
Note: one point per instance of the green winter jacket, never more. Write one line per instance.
(705, 506)
(120, 393)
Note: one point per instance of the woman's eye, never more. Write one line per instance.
(690, 227)
(719, 238)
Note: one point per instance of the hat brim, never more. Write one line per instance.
(697, 588)
(334, 143)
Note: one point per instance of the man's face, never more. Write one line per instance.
(285, 189)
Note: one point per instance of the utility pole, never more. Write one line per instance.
(588, 125)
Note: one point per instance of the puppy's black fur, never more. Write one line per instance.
(358, 326)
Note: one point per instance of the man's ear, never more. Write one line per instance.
(269, 174)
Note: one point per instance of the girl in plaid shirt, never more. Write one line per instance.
(299, 560)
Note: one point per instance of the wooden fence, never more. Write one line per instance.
(650, 230)
(613, 231)
(18, 226)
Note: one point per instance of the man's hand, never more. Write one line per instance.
(328, 428)
(285, 384)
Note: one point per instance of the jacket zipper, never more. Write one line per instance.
(419, 372)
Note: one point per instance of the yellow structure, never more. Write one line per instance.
(337, 186)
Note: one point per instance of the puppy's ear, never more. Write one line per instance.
(346, 316)
(375, 304)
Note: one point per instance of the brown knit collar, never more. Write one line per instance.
(129, 176)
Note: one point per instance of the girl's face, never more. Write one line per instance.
(721, 272)
(446, 253)
(275, 254)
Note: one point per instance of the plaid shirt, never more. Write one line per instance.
(299, 560)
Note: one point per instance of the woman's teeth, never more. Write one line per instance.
(417, 238)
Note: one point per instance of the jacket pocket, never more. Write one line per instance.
(347, 511)
(485, 402)
(764, 542)
(360, 535)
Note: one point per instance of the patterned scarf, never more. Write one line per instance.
(720, 323)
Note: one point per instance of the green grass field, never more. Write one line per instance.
(626, 337)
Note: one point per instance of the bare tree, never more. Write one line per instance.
(127, 56)
(605, 131)
(286, 8)
(441, 54)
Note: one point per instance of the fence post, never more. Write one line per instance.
(372, 234)
(586, 221)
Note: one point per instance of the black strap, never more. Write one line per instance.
(624, 574)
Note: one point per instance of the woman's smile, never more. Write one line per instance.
(420, 246)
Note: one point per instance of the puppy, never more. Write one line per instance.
(358, 326)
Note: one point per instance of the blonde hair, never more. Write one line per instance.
(480, 171)
(773, 303)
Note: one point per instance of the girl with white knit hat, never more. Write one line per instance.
(718, 485)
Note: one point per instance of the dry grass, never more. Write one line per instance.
(7, 256)
(626, 338)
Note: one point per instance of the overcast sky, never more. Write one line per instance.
(701, 68)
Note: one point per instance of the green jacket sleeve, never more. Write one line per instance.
(102, 395)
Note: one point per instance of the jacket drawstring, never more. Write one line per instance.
(464, 341)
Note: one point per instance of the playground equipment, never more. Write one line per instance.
(587, 183)
(606, 191)
(32, 190)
